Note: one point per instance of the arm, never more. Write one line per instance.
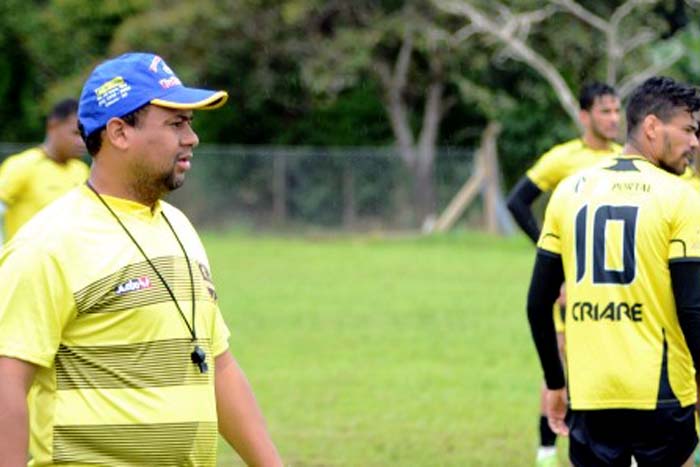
(15, 379)
(240, 420)
(519, 202)
(547, 276)
(685, 277)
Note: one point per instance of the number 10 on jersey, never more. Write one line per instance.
(602, 217)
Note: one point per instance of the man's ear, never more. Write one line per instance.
(584, 117)
(117, 133)
(51, 123)
(651, 125)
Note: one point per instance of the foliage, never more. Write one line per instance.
(304, 71)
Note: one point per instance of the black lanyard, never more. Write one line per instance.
(198, 356)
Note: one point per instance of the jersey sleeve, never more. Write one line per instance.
(13, 177)
(35, 304)
(220, 335)
(548, 170)
(550, 238)
(685, 227)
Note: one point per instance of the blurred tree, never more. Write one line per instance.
(652, 32)
(404, 48)
(46, 50)
(629, 35)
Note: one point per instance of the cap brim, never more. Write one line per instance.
(192, 99)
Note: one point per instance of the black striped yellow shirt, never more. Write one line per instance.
(115, 385)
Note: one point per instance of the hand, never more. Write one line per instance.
(561, 300)
(556, 402)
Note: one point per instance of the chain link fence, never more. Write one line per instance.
(277, 187)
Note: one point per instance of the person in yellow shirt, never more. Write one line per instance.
(692, 176)
(600, 119)
(692, 173)
(624, 235)
(34, 178)
(108, 308)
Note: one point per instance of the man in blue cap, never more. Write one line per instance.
(108, 309)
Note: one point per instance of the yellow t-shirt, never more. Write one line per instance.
(692, 177)
(560, 162)
(617, 226)
(564, 160)
(31, 180)
(115, 384)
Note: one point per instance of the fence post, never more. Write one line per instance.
(349, 215)
(279, 188)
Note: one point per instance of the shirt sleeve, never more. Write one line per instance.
(220, 335)
(685, 226)
(35, 304)
(548, 170)
(13, 177)
(550, 238)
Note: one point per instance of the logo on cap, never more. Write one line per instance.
(112, 91)
(163, 66)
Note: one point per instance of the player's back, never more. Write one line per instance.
(617, 226)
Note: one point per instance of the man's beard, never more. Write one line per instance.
(598, 133)
(171, 181)
(667, 150)
(151, 188)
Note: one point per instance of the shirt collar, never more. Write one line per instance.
(127, 206)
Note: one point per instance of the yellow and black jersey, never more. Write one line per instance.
(115, 384)
(692, 177)
(564, 160)
(617, 227)
(31, 180)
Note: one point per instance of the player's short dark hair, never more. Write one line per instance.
(93, 141)
(591, 91)
(63, 109)
(662, 97)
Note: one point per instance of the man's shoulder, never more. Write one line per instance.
(79, 165)
(173, 212)
(24, 159)
(564, 149)
(177, 218)
(57, 221)
(665, 183)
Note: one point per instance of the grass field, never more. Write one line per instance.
(383, 352)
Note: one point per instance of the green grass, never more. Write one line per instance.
(378, 352)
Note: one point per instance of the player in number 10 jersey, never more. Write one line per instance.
(625, 235)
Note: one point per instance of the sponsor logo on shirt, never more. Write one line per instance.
(206, 275)
(611, 311)
(133, 285)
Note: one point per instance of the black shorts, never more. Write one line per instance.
(662, 437)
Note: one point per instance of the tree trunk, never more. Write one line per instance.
(424, 197)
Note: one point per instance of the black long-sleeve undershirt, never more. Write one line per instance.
(548, 273)
(519, 203)
(685, 280)
(547, 277)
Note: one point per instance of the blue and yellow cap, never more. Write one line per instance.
(123, 84)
